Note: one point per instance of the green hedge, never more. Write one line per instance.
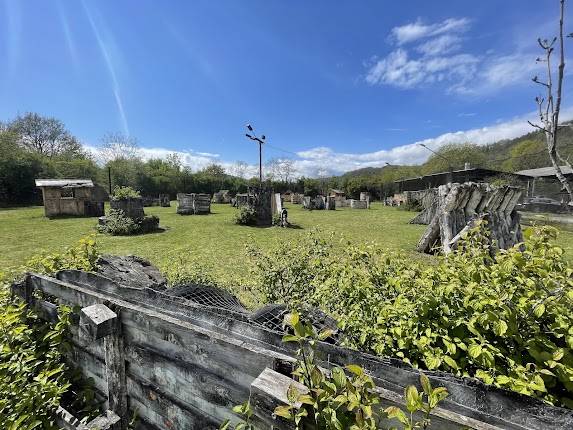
(507, 319)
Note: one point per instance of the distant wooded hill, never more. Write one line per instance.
(511, 155)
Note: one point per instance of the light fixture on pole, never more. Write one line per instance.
(260, 141)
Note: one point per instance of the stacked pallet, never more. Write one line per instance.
(461, 206)
(296, 198)
(193, 204)
(330, 203)
(222, 196)
(358, 204)
(428, 201)
(365, 197)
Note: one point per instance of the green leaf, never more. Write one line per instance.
(283, 411)
(539, 310)
(325, 334)
(474, 350)
(339, 378)
(395, 412)
(425, 382)
(291, 319)
(499, 327)
(292, 393)
(412, 397)
(291, 338)
(354, 368)
(450, 362)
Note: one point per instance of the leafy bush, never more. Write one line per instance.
(505, 319)
(31, 367)
(180, 271)
(246, 215)
(117, 224)
(120, 193)
(342, 398)
(82, 256)
(34, 376)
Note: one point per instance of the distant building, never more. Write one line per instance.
(75, 197)
(339, 197)
(434, 180)
(544, 184)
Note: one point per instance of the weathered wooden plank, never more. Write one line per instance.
(115, 376)
(195, 387)
(269, 391)
(157, 409)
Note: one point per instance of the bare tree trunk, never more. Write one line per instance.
(550, 109)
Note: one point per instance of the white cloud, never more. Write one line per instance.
(440, 45)
(435, 56)
(399, 70)
(499, 72)
(418, 30)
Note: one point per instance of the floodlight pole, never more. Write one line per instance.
(260, 141)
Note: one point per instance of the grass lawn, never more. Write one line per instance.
(211, 241)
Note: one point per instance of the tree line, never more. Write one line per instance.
(33, 146)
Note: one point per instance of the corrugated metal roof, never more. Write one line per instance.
(544, 171)
(70, 183)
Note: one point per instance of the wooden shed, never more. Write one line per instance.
(73, 197)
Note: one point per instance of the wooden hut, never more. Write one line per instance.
(339, 198)
(72, 197)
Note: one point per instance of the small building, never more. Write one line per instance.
(544, 184)
(73, 197)
(339, 198)
(434, 180)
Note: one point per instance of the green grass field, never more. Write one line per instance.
(212, 241)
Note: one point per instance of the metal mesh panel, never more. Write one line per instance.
(208, 296)
(270, 316)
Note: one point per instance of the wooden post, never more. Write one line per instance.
(97, 322)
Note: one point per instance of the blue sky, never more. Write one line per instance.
(335, 85)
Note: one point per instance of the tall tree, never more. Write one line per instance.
(549, 107)
(118, 146)
(239, 169)
(45, 136)
(454, 156)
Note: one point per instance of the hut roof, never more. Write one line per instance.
(545, 171)
(64, 183)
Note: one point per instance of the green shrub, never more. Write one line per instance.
(117, 224)
(246, 215)
(120, 193)
(506, 319)
(34, 376)
(342, 398)
(180, 271)
(82, 256)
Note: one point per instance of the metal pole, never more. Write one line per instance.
(109, 178)
(260, 163)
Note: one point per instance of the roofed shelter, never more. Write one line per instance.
(73, 197)
(544, 182)
(434, 180)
